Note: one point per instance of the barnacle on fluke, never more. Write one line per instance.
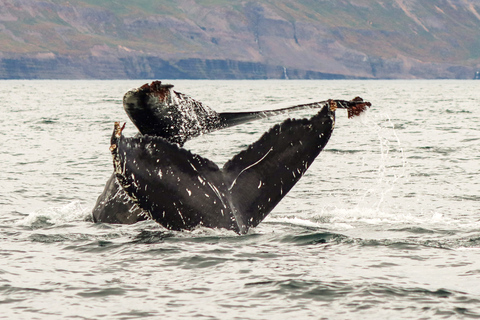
(155, 177)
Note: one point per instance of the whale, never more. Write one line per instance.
(156, 109)
(159, 111)
(181, 190)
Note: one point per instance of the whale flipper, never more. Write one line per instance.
(181, 190)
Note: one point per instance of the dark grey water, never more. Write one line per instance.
(385, 224)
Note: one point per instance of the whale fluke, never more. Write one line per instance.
(181, 190)
(156, 109)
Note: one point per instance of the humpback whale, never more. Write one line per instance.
(154, 177)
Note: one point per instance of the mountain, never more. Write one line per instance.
(211, 39)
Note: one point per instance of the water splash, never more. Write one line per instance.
(392, 163)
(73, 211)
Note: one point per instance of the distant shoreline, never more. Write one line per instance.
(191, 69)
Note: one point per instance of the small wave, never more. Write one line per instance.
(102, 292)
(457, 111)
(151, 236)
(350, 218)
(328, 291)
(315, 238)
(48, 121)
(414, 302)
(373, 216)
(60, 238)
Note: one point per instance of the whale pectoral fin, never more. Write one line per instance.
(259, 177)
(178, 189)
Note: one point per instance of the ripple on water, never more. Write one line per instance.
(384, 224)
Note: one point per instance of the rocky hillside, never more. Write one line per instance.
(308, 39)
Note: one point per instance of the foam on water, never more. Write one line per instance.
(71, 212)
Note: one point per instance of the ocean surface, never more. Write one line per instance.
(384, 225)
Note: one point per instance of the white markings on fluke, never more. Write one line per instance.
(215, 190)
(250, 166)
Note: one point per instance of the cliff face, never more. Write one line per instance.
(240, 39)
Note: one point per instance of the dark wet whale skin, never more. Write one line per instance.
(181, 190)
(158, 110)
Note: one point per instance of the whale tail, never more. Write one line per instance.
(181, 190)
(156, 109)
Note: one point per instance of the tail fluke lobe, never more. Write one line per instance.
(178, 189)
(259, 177)
(156, 109)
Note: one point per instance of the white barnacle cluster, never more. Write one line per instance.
(151, 147)
(332, 117)
(134, 182)
(118, 167)
(332, 104)
(196, 118)
(144, 213)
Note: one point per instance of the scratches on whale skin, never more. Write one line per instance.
(194, 168)
(250, 166)
(217, 193)
(181, 216)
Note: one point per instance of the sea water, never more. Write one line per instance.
(385, 224)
